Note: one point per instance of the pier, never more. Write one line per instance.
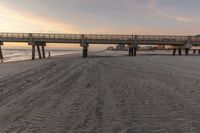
(40, 40)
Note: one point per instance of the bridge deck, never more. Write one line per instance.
(100, 38)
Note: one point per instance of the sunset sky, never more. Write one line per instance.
(180, 17)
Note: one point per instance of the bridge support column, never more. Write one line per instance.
(135, 52)
(33, 52)
(131, 51)
(174, 52)
(43, 49)
(186, 51)
(85, 52)
(179, 51)
(85, 46)
(39, 52)
(1, 53)
(194, 51)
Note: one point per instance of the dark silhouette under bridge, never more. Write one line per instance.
(37, 40)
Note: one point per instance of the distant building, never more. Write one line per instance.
(161, 47)
(121, 47)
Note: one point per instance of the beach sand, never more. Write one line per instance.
(101, 94)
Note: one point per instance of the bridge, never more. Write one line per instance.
(40, 40)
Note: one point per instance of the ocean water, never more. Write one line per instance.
(11, 55)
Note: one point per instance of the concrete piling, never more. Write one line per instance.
(194, 51)
(135, 51)
(179, 52)
(33, 52)
(174, 52)
(39, 52)
(1, 53)
(186, 51)
(85, 52)
(131, 51)
(43, 51)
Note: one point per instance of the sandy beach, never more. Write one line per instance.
(106, 93)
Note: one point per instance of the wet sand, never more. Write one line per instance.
(102, 94)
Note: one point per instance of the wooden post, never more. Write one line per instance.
(33, 51)
(39, 52)
(174, 52)
(43, 51)
(179, 51)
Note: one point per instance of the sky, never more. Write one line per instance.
(166, 17)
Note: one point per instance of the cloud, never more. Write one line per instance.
(179, 18)
(152, 4)
(94, 16)
(30, 23)
(162, 12)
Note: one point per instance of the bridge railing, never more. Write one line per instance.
(56, 36)
(161, 38)
(107, 37)
(195, 39)
(14, 35)
(153, 38)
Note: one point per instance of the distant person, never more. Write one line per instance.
(49, 54)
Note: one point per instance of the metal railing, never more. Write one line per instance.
(98, 37)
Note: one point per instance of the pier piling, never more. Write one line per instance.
(194, 52)
(33, 52)
(135, 52)
(174, 52)
(186, 51)
(131, 51)
(39, 52)
(1, 53)
(43, 51)
(85, 52)
(179, 51)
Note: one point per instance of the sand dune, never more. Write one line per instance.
(143, 94)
